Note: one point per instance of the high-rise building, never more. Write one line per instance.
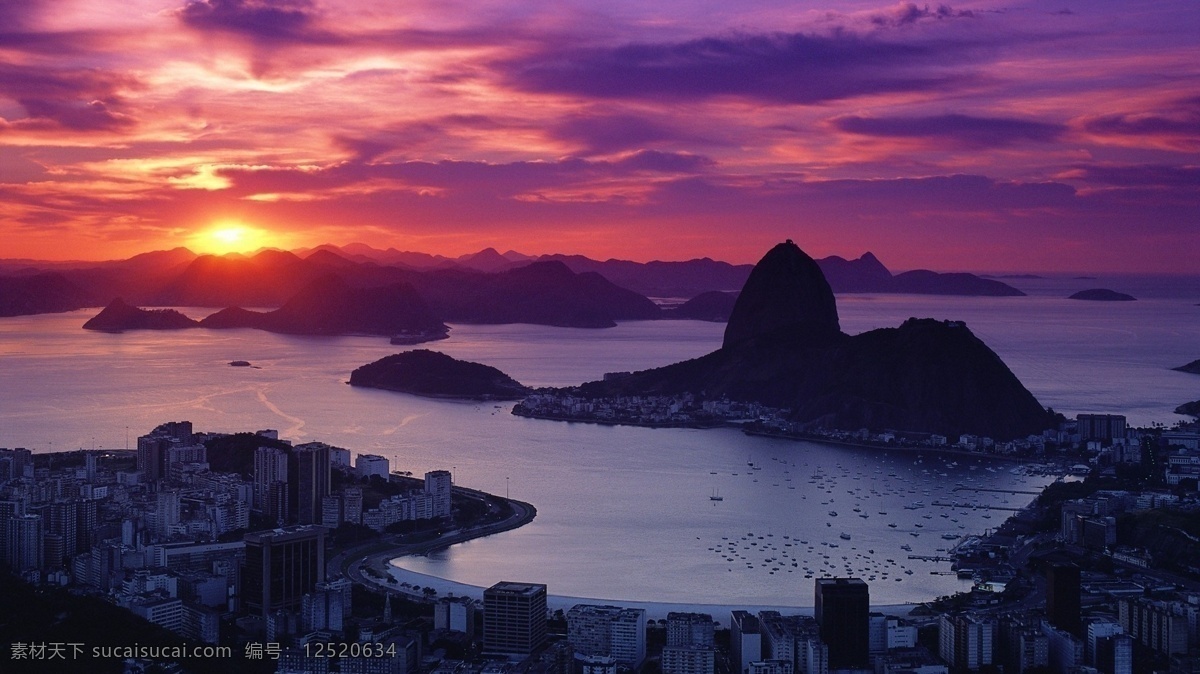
(366, 465)
(1062, 597)
(745, 641)
(23, 543)
(689, 659)
(514, 618)
(608, 630)
(772, 667)
(331, 511)
(438, 484)
(965, 641)
(270, 466)
(1103, 427)
(308, 481)
(59, 518)
(152, 447)
(789, 638)
(1114, 654)
(166, 513)
(282, 565)
(842, 609)
(352, 504)
(86, 516)
(15, 463)
(455, 614)
(1159, 625)
(690, 629)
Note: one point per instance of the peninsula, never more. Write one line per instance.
(1191, 368)
(784, 349)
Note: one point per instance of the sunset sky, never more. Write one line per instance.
(976, 136)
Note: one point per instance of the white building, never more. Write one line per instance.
(438, 484)
(367, 465)
(608, 630)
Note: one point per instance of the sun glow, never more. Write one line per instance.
(229, 237)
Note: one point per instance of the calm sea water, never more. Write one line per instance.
(624, 513)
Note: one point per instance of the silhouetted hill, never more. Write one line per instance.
(479, 287)
(40, 294)
(662, 279)
(1191, 409)
(431, 373)
(925, 282)
(786, 298)
(119, 316)
(1102, 295)
(1192, 367)
(486, 260)
(543, 293)
(328, 306)
(783, 349)
(864, 275)
(265, 280)
(710, 306)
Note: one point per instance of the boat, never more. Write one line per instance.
(949, 537)
(833, 513)
(844, 536)
(716, 497)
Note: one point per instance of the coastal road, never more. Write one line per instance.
(361, 563)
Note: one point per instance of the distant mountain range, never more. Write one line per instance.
(483, 287)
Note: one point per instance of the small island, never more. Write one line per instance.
(119, 316)
(1102, 295)
(433, 374)
(1191, 368)
(1191, 409)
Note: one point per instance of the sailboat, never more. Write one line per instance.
(715, 496)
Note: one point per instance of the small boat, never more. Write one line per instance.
(844, 536)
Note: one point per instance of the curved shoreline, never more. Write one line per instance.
(372, 568)
(378, 569)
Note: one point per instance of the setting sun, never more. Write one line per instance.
(228, 237)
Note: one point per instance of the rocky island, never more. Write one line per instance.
(784, 348)
(430, 373)
(1191, 409)
(119, 316)
(1102, 295)
(327, 306)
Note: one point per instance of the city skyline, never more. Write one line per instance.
(977, 135)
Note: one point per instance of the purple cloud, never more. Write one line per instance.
(272, 20)
(908, 13)
(664, 162)
(607, 133)
(78, 99)
(472, 178)
(779, 68)
(963, 130)
(1142, 175)
(1186, 123)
